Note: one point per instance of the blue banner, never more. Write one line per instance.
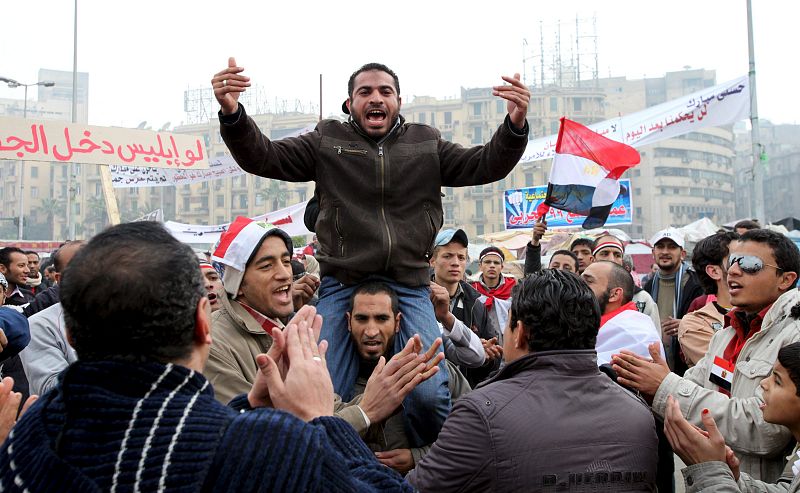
(521, 203)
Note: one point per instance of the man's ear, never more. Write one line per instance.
(57, 277)
(616, 294)
(714, 272)
(520, 336)
(347, 104)
(202, 322)
(397, 322)
(347, 316)
(399, 102)
(3, 269)
(683, 254)
(787, 279)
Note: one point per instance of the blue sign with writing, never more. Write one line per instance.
(521, 203)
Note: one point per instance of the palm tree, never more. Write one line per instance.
(51, 208)
(96, 215)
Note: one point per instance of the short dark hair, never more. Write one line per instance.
(711, 250)
(557, 310)
(787, 256)
(789, 358)
(582, 241)
(5, 255)
(115, 306)
(566, 253)
(366, 68)
(28, 252)
(747, 224)
(58, 261)
(376, 287)
(618, 277)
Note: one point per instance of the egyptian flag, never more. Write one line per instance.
(722, 374)
(585, 175)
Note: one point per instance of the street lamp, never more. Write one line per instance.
(13, 84)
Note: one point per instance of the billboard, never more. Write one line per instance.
(520, 209)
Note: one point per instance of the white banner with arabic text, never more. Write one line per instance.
(722, 104)
(289, 219)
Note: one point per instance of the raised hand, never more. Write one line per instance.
(692, 445)
(391, 382)
(538, 231)
(518, 97)
(228, 84)
(293, 374)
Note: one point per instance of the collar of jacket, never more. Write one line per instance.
(241, 317)
(574, 362)
(397, 124)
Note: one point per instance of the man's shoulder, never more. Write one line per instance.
(47, 316)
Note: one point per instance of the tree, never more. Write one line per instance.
(51, 208)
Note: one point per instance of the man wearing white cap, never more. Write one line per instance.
(673, 287)
(258, 282)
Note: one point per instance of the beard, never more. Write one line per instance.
(603, 300)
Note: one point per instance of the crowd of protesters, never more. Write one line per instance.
(376, 363)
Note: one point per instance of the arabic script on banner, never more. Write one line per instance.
(718, 105)
(131, 176)
(54, 141)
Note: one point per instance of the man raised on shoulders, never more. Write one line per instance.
(378, 181)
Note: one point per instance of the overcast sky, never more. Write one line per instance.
(142, 55)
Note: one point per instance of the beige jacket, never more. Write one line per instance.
(760, 446)
(236, 340)
(696, 330)
(716, 477)
(390, 434)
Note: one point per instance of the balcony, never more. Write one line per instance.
(482, 218)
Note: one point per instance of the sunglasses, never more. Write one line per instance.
(750, 264)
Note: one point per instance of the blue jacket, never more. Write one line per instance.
(15, 326)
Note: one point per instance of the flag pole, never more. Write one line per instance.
(757, 203)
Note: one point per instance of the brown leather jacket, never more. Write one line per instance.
(380, 202)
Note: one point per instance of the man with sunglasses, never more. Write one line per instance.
(762, 272)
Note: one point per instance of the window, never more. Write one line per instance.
(637, 191)
(501, 106)
(64, 171)
(553, 104)
(448, 118)
(421, 117)
(204, 202)
(528, 179)
(220, 219)
(186, 203)
(98, 189)
(554, 127)
(433, 119)
(243, 201)
(34, 172)
(34, 192)
(476, 109)
(479, 208)
(479, 229)
(577, 103)
(220, 201)
(449, 216)
(477, 135)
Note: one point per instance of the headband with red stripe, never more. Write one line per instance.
(608, 244)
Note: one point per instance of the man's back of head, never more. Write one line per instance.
(118, 306)
(557, 310)
(710, 258)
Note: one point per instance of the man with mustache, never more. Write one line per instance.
(378, 181)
